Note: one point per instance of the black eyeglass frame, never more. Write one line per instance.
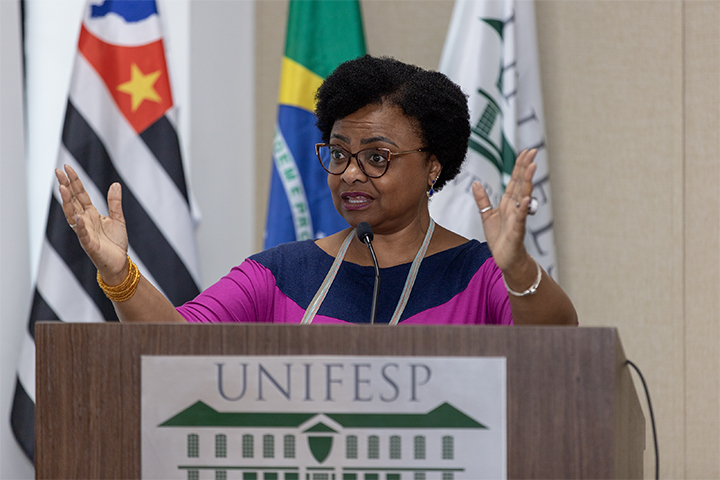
(390, 155)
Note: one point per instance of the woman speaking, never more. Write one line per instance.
(393, 135)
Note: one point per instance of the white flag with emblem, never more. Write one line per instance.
(491, 52)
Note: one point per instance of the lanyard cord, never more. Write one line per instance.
(330, 277)
(412, 275)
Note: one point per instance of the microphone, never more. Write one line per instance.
(365, 235)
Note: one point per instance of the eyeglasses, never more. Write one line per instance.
(372, 161)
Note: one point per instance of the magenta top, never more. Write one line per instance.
(462, 285)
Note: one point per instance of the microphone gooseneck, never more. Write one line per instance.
(365, 235)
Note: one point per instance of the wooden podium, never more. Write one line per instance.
(572, 410)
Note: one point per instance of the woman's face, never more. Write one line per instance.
(398, 198)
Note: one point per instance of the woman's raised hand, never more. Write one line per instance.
(542, 301)
(505, 225)
(104, 239)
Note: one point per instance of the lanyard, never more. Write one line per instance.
(330, 277)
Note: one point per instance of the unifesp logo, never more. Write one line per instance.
(317, 418)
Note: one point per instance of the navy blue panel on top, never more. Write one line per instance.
(300, 268)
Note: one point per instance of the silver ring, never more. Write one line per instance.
(533, 206)
(73, 225)
(486, 209)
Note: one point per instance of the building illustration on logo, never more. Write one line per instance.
(324, 446)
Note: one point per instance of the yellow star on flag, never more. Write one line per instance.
(141, 87)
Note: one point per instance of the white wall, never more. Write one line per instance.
(14, 252)
(222, 134)
(210, 51)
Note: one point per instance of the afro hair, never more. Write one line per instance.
(437, 104)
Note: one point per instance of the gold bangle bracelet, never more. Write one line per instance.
(126, 289)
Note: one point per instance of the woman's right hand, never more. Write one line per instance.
(104, 239)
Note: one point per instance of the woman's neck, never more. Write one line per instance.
(392, 248)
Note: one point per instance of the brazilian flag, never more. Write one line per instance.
(321, 34)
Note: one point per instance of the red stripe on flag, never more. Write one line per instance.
(136, 77)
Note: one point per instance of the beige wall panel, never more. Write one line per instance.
(612, 75)
(271, 23)
(411, 31)
(702, 238)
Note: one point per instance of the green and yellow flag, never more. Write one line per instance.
(321, 34)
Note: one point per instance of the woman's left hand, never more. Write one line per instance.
(505, 225)
(505, 234)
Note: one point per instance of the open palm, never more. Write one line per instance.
(104, 239)
(505, 225)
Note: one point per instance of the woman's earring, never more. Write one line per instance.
(431, 192)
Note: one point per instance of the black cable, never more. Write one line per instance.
(652, 418)
(23, 48)
(23, 39)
